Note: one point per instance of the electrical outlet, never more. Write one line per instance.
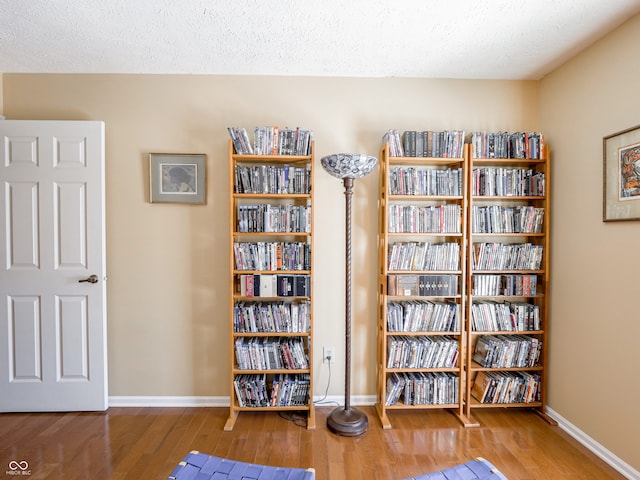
(328, 355)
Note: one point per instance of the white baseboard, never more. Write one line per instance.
(335, 400)
(168, 401)
(615, 462)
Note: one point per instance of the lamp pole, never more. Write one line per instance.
(347, 421)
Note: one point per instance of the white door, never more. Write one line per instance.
(52, 239)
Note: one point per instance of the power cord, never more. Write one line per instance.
(326, 390)
(296, 418)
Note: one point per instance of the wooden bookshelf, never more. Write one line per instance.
(399, 199)
(507, 299)
(271, 233)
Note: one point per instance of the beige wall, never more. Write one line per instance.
(595, 324)
(167, 264)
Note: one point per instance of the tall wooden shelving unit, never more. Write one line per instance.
(507, 301)
(262, 379)
(447, 378)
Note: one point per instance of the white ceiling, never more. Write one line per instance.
(479, 39)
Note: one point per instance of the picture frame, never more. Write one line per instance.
(621, 175)
(177, 178)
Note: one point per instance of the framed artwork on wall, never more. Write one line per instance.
(177, 178)
(621, 176)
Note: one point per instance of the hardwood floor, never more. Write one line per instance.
(147, 443)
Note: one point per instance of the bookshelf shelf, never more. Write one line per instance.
(268, 334)
(399, 298)
(420, 161)
(296, 408)
(513, 235)
(272, 272)
(270, 298)
(416, 218)
(476, 404)
(271, 370)
(417, 334)
(271, 195)
(422, 234)
(270, 235)
(401, 406)
(396, 370)
(509, 161)
(273, 159)
(417, 198)
(507, 297)
(505, 332)
(426, 272)
(477, 367)
(267, 300)
(509, 272)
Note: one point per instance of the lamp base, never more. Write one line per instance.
(348, 423)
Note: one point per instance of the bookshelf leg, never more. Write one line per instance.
(467, 420)
(384, 419)
(311, 418)
(231, 421)
(546, 417)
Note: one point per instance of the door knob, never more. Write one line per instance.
(90, 279)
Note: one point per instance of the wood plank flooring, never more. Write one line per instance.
(147, 443)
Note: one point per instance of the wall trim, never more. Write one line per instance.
(167, 401)
(607, 456)
(336, 400)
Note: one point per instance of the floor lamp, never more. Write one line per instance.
(348, 421)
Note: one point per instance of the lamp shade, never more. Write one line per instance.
(348, 165)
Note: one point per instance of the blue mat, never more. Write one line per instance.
(478, 469)
(199, 466)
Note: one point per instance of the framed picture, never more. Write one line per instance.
(177, 178)
(621, 179)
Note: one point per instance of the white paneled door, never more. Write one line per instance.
(53, 353)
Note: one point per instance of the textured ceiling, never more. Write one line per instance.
(492, 39)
